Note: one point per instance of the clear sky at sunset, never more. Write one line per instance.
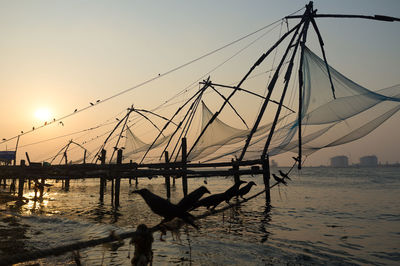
(58, 56)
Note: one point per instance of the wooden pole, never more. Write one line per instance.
(118, 180)
(271, 86)
(258, 62)
(16, 149)
(167, 177)
(21, 182)
(67, 179)
(235, 167)
(266, 177)
(102, 180)
(184, 167)
(130, 179)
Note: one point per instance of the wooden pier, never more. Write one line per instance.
(115, 172)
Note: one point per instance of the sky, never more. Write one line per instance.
(64, 55)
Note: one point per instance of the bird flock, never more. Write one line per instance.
(175, 215)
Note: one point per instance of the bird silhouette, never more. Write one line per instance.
(189, 200)
(97, 101)
(214, 200)
(246, 189)
(284, 175)
(33, 128)
(22, 132)
(92, 104)
(279, 180)
(4, 139)
(165, 208)
(76, 110)
(233, 191)
(61, 123)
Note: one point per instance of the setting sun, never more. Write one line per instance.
(43, 114)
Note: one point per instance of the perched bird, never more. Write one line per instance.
(4, 139)
(97, 101)
(284, 175)
(116, 119)
(213, 200)
(189, 200)
(92, 104)
(233, 191)
(164, 208)
(76, 110)
(246, 189)
(279, 180)
(22, 132)
(61, 123)
(33, 128)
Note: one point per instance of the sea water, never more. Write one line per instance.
(324, 216)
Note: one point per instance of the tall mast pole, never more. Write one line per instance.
(301, 91)
(270, 89)
(306, 19)
(258, 62)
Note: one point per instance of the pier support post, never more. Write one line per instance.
(235, 167)
(21, 183)
(130, 179)
(66, 187)
(167, 177)
(184, 167)
(102, 179)
(118, 179)
(266, 177)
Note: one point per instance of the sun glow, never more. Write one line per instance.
(43, 114)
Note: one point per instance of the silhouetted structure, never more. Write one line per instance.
(369, 161)
(340, 161)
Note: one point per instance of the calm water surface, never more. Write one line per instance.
(324, 216)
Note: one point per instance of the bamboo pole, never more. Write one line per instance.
(184, 167)
(167, 177)
(258, 62)
(102, 179)
(21, 182)
(266, 178)
(118, 180)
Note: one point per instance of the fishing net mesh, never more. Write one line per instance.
(326, 121)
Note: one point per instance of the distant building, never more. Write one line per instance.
(339, 161)
(369, 161)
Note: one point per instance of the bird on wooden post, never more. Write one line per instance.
(189, 200)
(165, 208)
(246, 189)
(214, 200)
(233, 190)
